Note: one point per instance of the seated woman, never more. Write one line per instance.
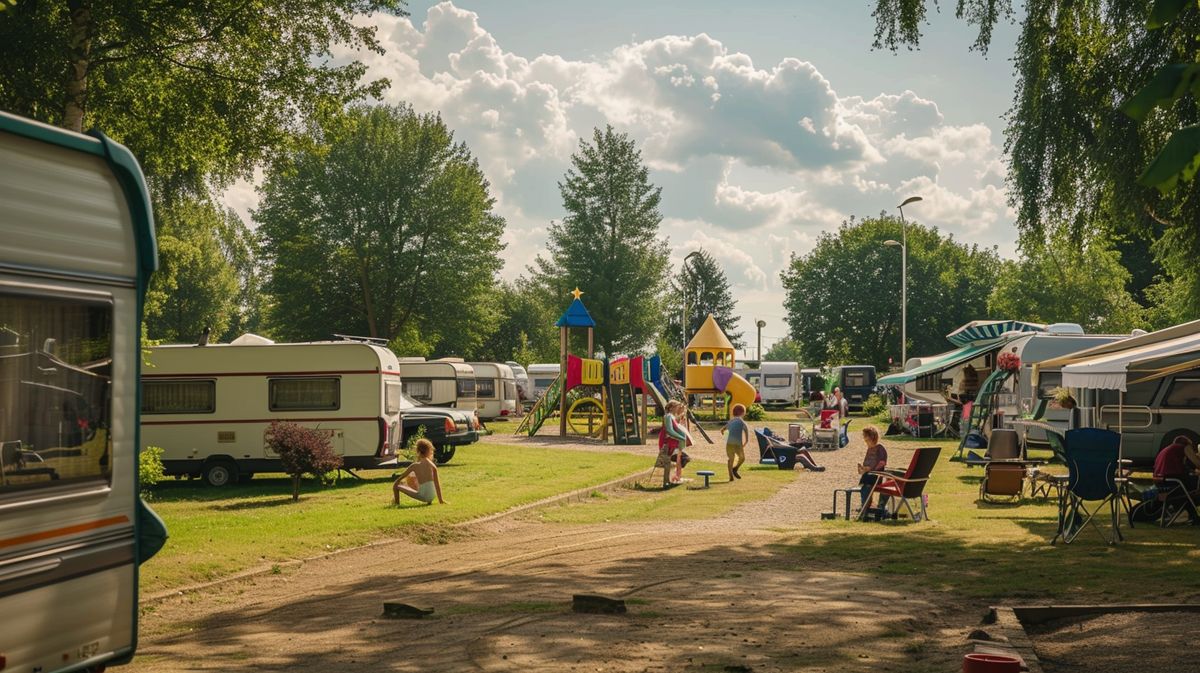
(875, 460)
(1179, 461)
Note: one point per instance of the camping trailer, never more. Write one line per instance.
(540, 378)
(77, 255)
(856, 381)
(210, 407)
(522, 379)
(496, 390)
(448, 382)
(781, 384)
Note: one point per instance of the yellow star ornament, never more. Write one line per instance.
(577, 293)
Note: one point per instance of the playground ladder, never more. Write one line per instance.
(985, 405)
(674, 392)
(622, 409)
(544, 408)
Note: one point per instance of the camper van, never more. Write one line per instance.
(522, 379)
(856, 381)
(496, 390)
(78, 251)
(540, 378)
(210, 406)
(781, 384)
(448, 382)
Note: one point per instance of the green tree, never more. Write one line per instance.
(381, 225)
(706, 289)
(608, 243)
(843, 297)
(784, 350)
(525, 326)
(197, 284)
(1066, 281)
(1076, 160)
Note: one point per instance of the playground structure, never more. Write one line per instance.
(709, 367)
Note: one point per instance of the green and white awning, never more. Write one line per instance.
(989, 330)
(941, 363)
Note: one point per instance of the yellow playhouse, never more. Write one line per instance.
(710, 359)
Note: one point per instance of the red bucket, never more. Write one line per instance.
(990, 663)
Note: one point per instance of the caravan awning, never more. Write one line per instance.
(940, 363)
(1115, 370)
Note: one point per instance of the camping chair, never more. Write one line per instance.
(844, 433)
(1002, 480)
(824, 433)
(1173, 493)
(1092, 458)
(766, 453)
(1004, 445)
(1041, 483)
(907, 487)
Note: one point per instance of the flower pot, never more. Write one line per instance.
(990, 663)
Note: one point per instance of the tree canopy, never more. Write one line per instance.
(784, 350)
(843, 297)
(381, 225)
(705, 288)
(608, 244)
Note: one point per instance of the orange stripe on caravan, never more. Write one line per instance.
(65, 530)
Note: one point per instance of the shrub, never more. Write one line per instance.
(150, 468)
(302, 451)
(756, 412)
(874, 405)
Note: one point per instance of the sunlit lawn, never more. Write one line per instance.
(216, 532)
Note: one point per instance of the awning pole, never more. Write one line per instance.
(1121, 424)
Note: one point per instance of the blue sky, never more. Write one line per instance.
(765, 124)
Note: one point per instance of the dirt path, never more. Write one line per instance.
(716, 595)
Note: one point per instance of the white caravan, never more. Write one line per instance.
(781, 384)
(210, 407)
(540, 378)
(448, 382)
(496, 389)
(78, 251)
(522, 379)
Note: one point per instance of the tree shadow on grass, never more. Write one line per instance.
(258, 487)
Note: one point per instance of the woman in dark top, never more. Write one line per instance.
(875, 460)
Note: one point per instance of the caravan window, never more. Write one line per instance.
(1047, 383)
(391, 397)
(1183, 393)
(777, 380)
(466, 387)
(418, 390)
(930, 383)
(485, 387)
(854, 379)
(305, 394)
(55, 369)
(179, 397)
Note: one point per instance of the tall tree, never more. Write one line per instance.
(381, 225)
(784, 350)
(1068, 281)
(843, 297)
(525, 328)
(1076, 160)
(705, 288)
(608, 243)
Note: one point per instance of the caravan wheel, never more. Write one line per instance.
(220, 473)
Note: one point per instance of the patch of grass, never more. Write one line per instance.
(215, 532)
(647, 501)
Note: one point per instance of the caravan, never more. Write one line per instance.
(540, 378)
(781, 384)
(210, 406)
(496, 390)
(77, 256)
(856, 381)
(448, 382)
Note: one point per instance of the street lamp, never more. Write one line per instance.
(903, 279)
(760, 324)
(684, 326)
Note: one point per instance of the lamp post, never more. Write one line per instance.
(684, 326)
(760, 324)
(903, 279)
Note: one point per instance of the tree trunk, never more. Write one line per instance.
(369, 305)
(295, 487)
(80, 55)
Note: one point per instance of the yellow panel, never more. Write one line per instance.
(593, 373)
(618, 372)
(698, 378)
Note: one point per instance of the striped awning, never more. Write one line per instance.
(941, 363)
(989, 330)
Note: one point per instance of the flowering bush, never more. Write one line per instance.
(1008, 362)
(302, 451)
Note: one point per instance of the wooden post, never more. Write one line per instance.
(564, 338)
(645, 410)
(591, 345)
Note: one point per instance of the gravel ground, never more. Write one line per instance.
(1135, 641)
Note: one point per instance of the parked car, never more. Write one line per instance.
(446, 427)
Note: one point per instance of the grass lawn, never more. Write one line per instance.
(1003, 552)
(681, 502)
(217, 532)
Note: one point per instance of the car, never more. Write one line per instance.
(446, 427)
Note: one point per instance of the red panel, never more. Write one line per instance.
(635, 373)
(574, 372)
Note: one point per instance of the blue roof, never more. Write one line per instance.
(576, 315)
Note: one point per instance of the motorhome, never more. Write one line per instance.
(77, 256)
(522, 379)
(448, 382)
(856, 381)
(210, 407)
(781, 384)
(540, 378)
(496, 390)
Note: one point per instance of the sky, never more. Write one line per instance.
(765, 123)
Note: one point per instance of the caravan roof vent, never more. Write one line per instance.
(1065, 328)
(249, 339)
(1138, 332)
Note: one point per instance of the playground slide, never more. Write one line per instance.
(740, 390)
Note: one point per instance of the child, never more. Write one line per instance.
(676, 437)
(735, 442)
(420, 481)
(875, 460)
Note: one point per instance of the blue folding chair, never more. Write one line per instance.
(1093, 460)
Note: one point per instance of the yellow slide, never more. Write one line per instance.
(740, 390)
